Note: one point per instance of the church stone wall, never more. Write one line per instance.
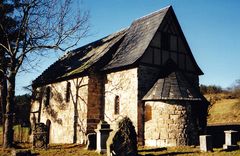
(92, 98)
(169, 124)
(147, 76)
(61, 113)
(95, 100)
(123, 84)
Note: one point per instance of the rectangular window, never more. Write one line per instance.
(156, 42)
(157, 56)
(182, 61)
(174, 57)
(165, 56)
(165, 41)
(116, 105)
(47, 96)
(68, 91)
(173, 43)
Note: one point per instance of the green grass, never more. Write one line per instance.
(224, 110)
(21, 134)
(185, 151)
(79, 150)
(66, 150)
(55, 150)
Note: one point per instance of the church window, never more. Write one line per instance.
(116, 105)
(47, 97)
(68, 91)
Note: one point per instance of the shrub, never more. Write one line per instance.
(211, 89)
(124, 142)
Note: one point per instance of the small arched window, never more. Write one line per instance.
(47, 96)
(68, 91)
(116, 105)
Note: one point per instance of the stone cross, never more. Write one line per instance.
(205, 143)
(103, 130)
(230, 140)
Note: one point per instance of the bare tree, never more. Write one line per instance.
(41, 25)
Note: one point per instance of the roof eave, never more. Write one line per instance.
(174, 99)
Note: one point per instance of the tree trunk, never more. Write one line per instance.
(8, 123)
(3, 88)
(3, 100)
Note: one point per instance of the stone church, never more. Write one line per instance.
(146, 72)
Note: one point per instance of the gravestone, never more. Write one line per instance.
(103, 130)
(205, 143)
(91, 144)
(231, 140)
(40, 136)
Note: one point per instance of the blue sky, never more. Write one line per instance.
(211, 27)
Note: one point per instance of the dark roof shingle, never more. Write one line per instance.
(78, 60)
(173, 87)
(137, 39)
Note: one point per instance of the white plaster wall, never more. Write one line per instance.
(61, 113)
(123, 84)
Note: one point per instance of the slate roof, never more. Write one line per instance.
(79, 60)
(137, 39)
(173, 87)
(130, 45)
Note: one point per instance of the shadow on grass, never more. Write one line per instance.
(218, 135)
(66, 146)
(153, 150)
(21, 146)
(167, 154)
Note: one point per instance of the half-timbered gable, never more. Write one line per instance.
(169, 43)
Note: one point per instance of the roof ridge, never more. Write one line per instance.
(114, 34)
(85, 48)
(152, 13)
(74, 51)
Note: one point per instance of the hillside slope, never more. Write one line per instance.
(223, 110)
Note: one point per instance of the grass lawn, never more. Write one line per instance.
(21, 134)
(79, 150)
(185, 151)
(55, 150)
(224, 110)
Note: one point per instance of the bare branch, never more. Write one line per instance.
(45, 25)
(7, 47)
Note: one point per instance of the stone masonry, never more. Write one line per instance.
(95, 101)
(168, 124)
(62, 113)
(146, 78)
(122, 84)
